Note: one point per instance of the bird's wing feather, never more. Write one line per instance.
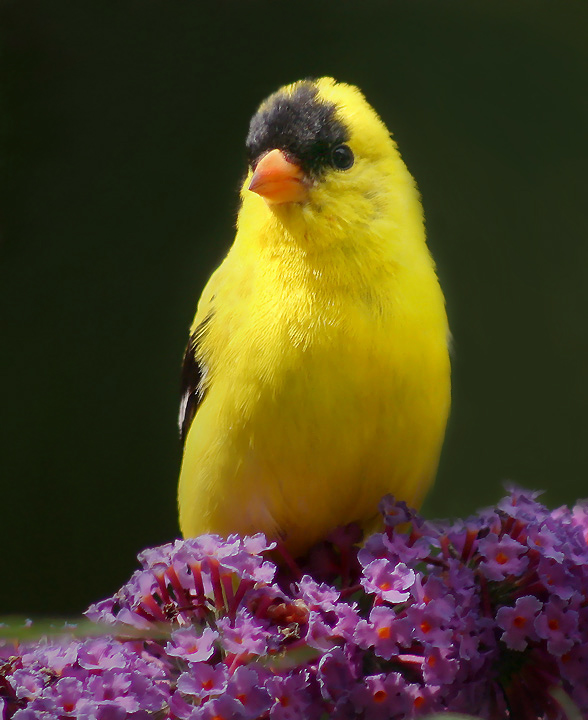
(194, 372)
(196, 363)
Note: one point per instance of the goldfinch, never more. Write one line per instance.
(316, 377)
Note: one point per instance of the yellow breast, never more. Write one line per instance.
(328, 387)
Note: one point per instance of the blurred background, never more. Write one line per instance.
(122, 126)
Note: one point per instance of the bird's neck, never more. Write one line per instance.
(318, 247)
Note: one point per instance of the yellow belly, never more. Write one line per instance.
(300, 434)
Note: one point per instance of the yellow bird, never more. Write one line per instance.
(317, 376)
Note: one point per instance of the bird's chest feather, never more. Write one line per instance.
(316, 352)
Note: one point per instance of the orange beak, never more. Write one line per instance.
(278, 180)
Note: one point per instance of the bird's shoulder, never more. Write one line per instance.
(194, 366)
(222, 309)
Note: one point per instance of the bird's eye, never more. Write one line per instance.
(342, 157)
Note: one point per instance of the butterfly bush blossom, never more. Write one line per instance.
(485, 616)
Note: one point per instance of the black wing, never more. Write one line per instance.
(193, 380)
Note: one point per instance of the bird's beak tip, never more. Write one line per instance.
(278, 180)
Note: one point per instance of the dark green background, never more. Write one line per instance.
(122, 127)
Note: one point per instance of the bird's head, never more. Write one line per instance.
(319, 153)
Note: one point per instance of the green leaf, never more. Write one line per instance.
(21, 629)
(570, 709)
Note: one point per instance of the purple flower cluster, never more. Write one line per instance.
(486, 616)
